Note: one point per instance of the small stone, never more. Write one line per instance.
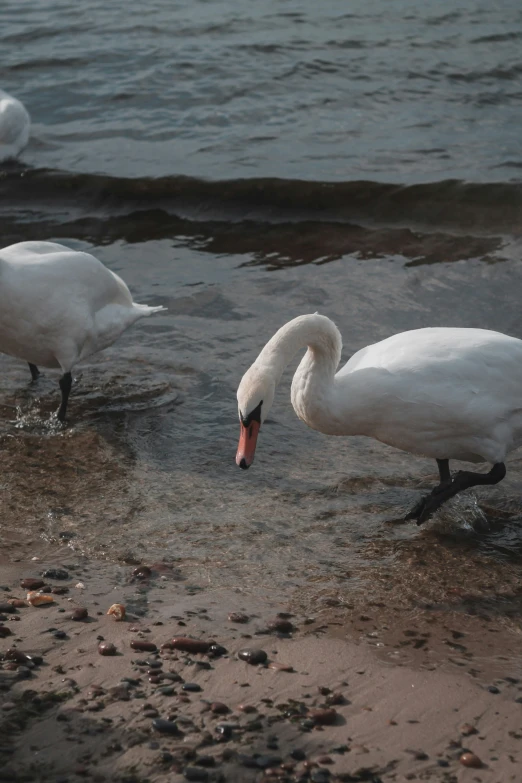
(60, 635)
(32, 584)
(107, 648)
(298, 754)
(80, 613)
(205, 761)
(334, 698)
(252, 656)
(195, 773)
(268, 761)
(142, 572)
(280, 625)
(118, 611)
(38, 599)
(323, 717)
(137, 644)
(55, 573)
(191, 686)
(16, 603)
(187, 644)
(246, 708)
(493, 689)
(320, 776)
(4, 631)
(467, 730)
(238, 617)
(59, 590)
(469, 759)
(218, 708)
(165, 726)
(217, 650)
(224, 730)
(280, 667)
(324, 760)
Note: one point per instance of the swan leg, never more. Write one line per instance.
(35, 372)
(445, 481)
(464, 479)
(65, 387)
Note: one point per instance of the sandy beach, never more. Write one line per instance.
(339, 697)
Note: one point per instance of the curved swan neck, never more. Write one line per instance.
(316, 332)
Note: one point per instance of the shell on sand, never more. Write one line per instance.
(118, 610)
(39, 599)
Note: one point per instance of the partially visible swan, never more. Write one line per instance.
(444, 393)
(15, 125)
(58, 306)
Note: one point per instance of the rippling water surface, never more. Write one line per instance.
(242, 164)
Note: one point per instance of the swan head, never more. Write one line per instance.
(255, 396)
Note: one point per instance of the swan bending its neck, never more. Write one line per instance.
(313, 388)
(444, 393)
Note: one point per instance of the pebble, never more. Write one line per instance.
(216, 650)
(246, 708)
(320, 776)
(137, 644)
(191, 686)
(59, 590)
(324, 760)
(4, 631)
(268, 761)
(218, 708)
(224, 730)
(80, 613)
(298, 754)
(142, 572)
(280, 667)
(32, 584)
(190, 645)
(151, 713)
(107, 648)
(323, 717)
(155, 664)
(335, 698)
(252, 656)
(280, 625)
(55, 573)
(469, 759)
(168, 690)
(493, 689)
(16, 655)
(194, 773)
(467, 730)
(17, 603)
(238, 617)
(165, 726)
(205, 761)
(60, 635)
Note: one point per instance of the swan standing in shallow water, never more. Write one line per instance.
(444, 393)
(58, 306)
(15, 125)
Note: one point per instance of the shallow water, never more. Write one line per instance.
(145, 468)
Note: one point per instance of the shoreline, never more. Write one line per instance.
(401, 712)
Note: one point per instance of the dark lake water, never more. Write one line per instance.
(242, 164)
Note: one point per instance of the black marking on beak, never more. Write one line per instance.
(254, 415)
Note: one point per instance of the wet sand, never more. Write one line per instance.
(408, 700)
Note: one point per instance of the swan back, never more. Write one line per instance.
(15, 125)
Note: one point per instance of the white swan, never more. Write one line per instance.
(15, 125)
(58, 306)
(441, 392)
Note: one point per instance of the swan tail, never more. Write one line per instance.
(146, 310)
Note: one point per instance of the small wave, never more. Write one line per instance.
(478, 207)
